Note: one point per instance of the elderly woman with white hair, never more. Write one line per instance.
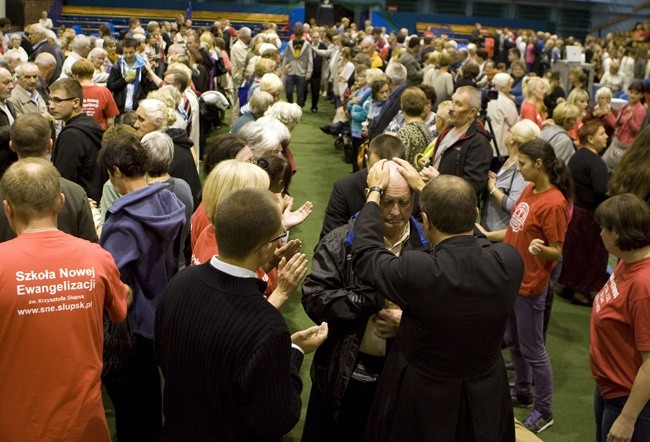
(258, 104)
(160, 152)
(604, 112)
(14, 47)
(503, 113)
(505, 186)
(99, 58)
(153, 115)
(288, 114)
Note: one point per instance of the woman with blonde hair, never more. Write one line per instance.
(533, 107)
(227, 177)
(580, 99)
(505, 186)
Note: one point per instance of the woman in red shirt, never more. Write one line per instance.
(537, 229)
(533, 107)
(619, 353)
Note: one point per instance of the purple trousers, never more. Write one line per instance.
(525, 338)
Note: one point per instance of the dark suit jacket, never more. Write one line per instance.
(346, 199)
(446, 363)
(7, 156)
(47, 47)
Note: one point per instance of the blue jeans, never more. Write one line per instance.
(300, 85)
(607, 411)
(525, 338)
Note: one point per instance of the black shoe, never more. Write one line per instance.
(314, 110)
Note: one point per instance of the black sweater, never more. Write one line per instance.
(225, 353)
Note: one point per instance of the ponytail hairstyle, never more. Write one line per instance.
(555, 168)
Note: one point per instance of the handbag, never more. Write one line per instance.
(220, 67)
(119, 350)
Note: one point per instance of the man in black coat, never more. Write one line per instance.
(347, 367)
(348, 196)
(38, 37)
(444, 378)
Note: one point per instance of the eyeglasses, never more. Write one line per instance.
(282, 236)
(57, 100)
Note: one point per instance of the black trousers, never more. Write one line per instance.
(350, 423)
(138, 399)
(314, 90)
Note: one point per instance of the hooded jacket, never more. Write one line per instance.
(142, 233)
(75, 154)
(117, 84)
(183, 165)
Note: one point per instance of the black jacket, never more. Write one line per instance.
(47, 47)
(346, 199)
(469, 157)
(183, 165)
(117, 85)
(445, 364)
(333, 293)
(7, 156)
(75, 154)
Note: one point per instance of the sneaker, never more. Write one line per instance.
(521, 400)
(538, 422)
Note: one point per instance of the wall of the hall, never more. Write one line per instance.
(564, 17)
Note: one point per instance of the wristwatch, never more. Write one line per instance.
(376, 189)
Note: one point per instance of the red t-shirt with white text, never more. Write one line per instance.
(620, 328)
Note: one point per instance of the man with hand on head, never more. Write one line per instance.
(446, 363)
(230, 365)
(347, 368)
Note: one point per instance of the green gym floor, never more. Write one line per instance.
(319, 165)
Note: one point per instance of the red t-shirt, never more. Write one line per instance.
(529, 112)
(620, 328)
(206, 247)
(199, 222)
(99, 104)
(53, 293)
(543, 216)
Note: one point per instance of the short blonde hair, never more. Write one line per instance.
(228, 176)
(530, 83)
(564, 112)
(524, 130)
(271, 83)
(374, 75)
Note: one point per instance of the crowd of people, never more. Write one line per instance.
(480, 188)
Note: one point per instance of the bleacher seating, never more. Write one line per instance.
(88, 18)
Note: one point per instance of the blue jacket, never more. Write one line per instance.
(142, 232)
